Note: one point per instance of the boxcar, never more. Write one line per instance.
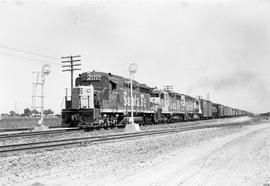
(215, 110)
(206, 106)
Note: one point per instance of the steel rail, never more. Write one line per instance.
(31, 132)
(73, 141)
(24, 129)
(35, 133)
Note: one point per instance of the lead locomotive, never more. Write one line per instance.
(103, 100)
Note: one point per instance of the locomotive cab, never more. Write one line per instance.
(79, 110)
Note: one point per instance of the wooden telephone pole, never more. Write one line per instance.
(72, 61)
(168, 88)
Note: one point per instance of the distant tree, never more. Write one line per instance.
(35, 111)
(47, 112)
(4, 114)
(12, 113)
(27, 112)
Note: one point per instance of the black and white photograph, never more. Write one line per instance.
(135, 93)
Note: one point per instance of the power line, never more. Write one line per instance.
(70, 67)
(28, 52)
(28, 58)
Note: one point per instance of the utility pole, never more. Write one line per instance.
(168, 88)
(72, 61)
(208, 96)
(15, 107)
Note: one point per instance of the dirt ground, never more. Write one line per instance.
(238, 155)
(239, 159)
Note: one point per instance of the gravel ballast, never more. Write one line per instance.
(89, 165)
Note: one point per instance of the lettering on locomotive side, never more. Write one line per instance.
(137, 101)
(143, 101)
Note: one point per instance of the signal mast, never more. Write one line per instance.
(40, 81)
(132, 127)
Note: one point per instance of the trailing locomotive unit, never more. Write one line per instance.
(174, 107)
(103, 100)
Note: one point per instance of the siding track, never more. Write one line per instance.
(25, 134)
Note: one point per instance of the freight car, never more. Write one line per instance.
(103, 100)
(215, 111)
(206, 106)
(221, 111)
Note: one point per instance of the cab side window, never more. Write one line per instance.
(162, 96)
(113, 86)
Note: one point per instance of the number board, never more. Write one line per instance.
(94, 78)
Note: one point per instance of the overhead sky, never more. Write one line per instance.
(218, 47)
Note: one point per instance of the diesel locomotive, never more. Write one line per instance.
(103, 100)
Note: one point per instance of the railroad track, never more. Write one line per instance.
(77, 141)
(24, 129)
(35, 133)
(58, 131)
(45, 145)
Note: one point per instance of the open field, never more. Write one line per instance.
(27, 122)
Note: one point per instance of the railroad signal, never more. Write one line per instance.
(132, 70)
(132, 127)
(207, 96)
(72, 61)
(39, 80)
